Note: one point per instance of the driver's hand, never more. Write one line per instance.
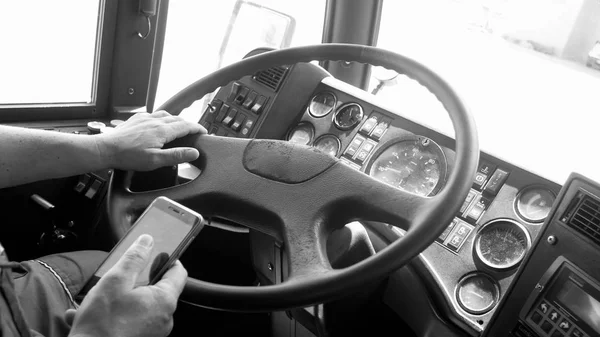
(113, 307)
(137, 144)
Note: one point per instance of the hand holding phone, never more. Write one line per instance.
(173, 227)
(116, 307)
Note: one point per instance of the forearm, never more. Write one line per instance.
(28, 155)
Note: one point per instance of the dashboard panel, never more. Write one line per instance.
(474, 261)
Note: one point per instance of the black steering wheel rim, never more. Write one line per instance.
(316, 285)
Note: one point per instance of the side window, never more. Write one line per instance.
(48, 50)
(204, 36)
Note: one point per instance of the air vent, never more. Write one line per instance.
(271, 77)
(586, 217)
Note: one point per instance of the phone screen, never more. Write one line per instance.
(168, 230)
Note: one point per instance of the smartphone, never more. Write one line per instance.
(173, 227)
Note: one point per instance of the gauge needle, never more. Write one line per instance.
(476, 294)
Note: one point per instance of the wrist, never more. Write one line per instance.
(105, 150)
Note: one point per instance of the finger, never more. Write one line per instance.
(70, 316)
(183, 128)
(133, 261)
(174, 280)
(174, 156)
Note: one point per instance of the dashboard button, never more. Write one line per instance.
(565, 325)
(237, 123)
(235, 88)
(448, 229)
(241, 96)
(258, 106)
(368, 125)
(554, 316)
(544, 307)
(93, 190)
(546, 326)
(479, 181)
(222, 113)
(463, 230)
(486, 168)
(230, 116)
(380, 129)
(365, 150)
(467, 203)
(455, 241)
(82, 183)
(536, 317)
(213, 130)
(250, 100)
(355, 145)
(476, 211)
(496, 182)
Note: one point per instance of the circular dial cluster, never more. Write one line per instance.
(348, 116)
(416, 166)
(533, 204)
(477, 293)
(322, 104)
(502, 244)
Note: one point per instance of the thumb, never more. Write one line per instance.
(176, 155)
(70, 316)
(133, 261)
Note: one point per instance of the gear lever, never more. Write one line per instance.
(54, 239)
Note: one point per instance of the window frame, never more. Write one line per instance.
(122, 61)
(107, 14)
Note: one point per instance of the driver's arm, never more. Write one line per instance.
(28, 155)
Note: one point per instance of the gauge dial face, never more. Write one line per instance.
(301, 134)
(322, 104)
(348, 116)
(534, 204)
(329, 144)
(477, 293)
(502, 244)
(415, 166)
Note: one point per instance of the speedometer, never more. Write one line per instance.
(417, 166)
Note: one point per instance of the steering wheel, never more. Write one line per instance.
(299, 195)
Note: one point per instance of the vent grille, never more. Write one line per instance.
(586, 217)
(271, 77)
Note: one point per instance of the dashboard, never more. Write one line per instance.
(471, 269)
(520, 258)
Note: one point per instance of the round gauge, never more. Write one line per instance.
(329, 144)
(502, 244)
(477, 293)
(416, 166)
(534, 203)
(348, 116)
(322, 104)
(301, 134)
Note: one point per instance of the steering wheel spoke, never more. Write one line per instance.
(304, 243)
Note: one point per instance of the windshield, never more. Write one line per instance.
(527, 69)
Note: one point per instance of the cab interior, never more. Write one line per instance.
(516, 252)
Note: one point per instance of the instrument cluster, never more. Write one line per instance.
(376, 142)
